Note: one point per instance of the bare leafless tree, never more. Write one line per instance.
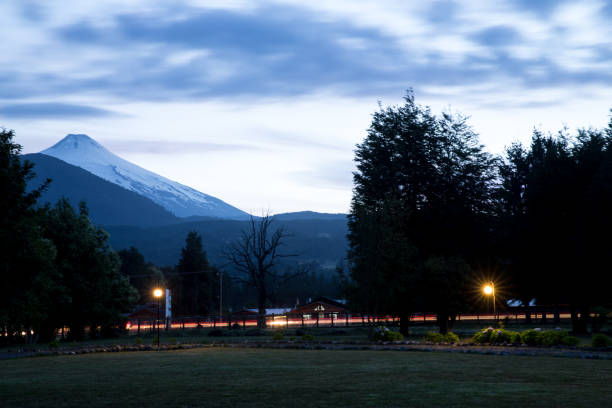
(255, 256)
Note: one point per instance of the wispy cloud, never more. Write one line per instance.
(188, 52)
(50, 110)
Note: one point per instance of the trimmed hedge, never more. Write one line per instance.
(601, 340)
(382, 333)
(435, 337)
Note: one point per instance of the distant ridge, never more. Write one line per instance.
(83, 151)
(309, 215)
(109, 204)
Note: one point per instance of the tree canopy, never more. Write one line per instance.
(194, 283)
(419, 210)
(431, 209)
(56, 267)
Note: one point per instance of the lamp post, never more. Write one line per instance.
(489, 290)
(158, 294)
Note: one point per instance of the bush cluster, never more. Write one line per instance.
(601, 340)
(530, 337)
(382, 333)
(435, 337)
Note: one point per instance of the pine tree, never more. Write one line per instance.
(194, 283)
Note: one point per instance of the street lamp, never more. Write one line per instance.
(489, 290)
(158, 293)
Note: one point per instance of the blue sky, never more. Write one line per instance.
(262, 103)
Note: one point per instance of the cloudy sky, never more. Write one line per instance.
(261, 103)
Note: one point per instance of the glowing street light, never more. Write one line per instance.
(489, 290)
(158, 293)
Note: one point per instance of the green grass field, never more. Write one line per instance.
(216, 377)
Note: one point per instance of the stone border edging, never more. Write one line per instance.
(585, 353)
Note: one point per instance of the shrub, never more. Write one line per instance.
(253, 332)
(551, 337)
(308, 337)
(278, 336)
(500, 336)
(394, 336)
(601, 340)
(299, 332)
(570, 341)
(172, 340)
(434, 337)
(53, 344)
(497, 336)
(138, 340)
(483, 336)
(529, 337)
(451, 337)
(382, 333)
(236, 326)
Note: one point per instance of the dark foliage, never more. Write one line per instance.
(419, 213)
(194, 280)
(57, 268)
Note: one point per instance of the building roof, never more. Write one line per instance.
(321, 305)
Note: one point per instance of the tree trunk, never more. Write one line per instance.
(579, 323)
(585, 318)
(453, 319)
(261, 305)
(404, 323)
(77, 332)
(527, 315)
(442, 318)
(557, 318)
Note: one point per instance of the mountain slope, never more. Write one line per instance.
(108, 203)
(183, 201)
(316, 240)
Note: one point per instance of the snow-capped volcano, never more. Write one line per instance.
(83, 151)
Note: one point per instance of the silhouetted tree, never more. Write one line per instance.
(144, 276)
(419, 212)
(555, 200)
(30, 283)
(195, 279)
(97, 294)
(255, 256)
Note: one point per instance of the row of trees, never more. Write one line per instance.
(433, 216)
(57, 268)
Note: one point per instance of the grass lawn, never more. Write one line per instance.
(303, 378)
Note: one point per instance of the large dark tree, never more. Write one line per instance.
(419, 212)
(194, 280)
(144, 276)
(96, 293)
(30, 283)
(555, 201)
